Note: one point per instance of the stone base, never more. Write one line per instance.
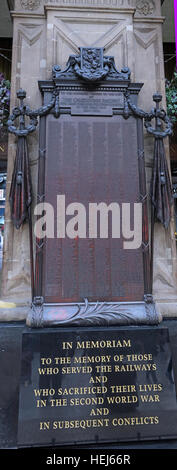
(18, 313)
(167, 309)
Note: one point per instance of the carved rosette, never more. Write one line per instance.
(145, 7)
(30, 4)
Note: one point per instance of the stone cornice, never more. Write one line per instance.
(123, 4)
(27, 14)
(34, 6)
(140, 8)
(147, 19)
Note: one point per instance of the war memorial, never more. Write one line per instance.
(90, 255)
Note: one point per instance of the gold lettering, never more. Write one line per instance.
(103, 369)
(104, 344)
(122, 399)
(67, 345)
(86, 401)
(41, 403)
(150, 387)
(62, 360)
(99, 412)
(100, 379)
(58, 402)
(77, 370)
(139, 357)
(123, 388)
(135, 421)
(149, 398)
(95, 390)
(82, 424)
(44, 425)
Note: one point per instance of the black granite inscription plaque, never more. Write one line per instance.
(96, 385)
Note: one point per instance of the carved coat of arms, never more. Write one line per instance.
(91, 65)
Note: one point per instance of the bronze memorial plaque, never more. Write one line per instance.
(91, 160)
(92, 261)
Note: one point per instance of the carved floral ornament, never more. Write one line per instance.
(145, 7)
(30, 4)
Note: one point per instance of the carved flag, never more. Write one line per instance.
(20, 197)
(161, 188)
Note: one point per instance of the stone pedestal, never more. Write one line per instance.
(47, 33)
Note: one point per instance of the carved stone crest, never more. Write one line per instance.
(30, 4)
(145, 7)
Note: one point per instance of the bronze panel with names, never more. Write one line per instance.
(91, 159)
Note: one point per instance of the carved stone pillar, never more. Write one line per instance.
(148, 46)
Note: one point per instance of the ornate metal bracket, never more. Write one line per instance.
(20, 112)
(23, 111)
(156, 113)
(36, 312)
